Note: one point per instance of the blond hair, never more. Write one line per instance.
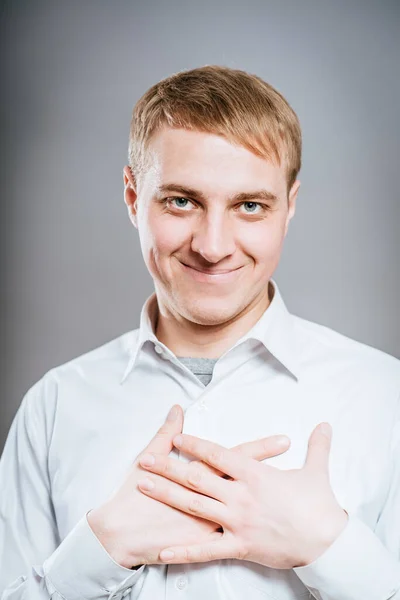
(228, 102)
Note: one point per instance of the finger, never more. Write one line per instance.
(190, 475)
(266, 447)
(185, 500)
(225, 460)
(217, 550)
(162, 441)
(257, 449)
(319, 445)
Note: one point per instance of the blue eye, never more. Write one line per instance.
(252, 206)
(181, 202)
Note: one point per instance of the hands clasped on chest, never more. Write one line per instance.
(222, 504)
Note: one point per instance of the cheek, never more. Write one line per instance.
(162, 236)
(263, 241)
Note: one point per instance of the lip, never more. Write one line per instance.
(210, 276)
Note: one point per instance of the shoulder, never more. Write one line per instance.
(340, 355)
(99, 367)
(110, 358)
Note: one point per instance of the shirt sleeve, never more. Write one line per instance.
(361, 562)
(34, 563)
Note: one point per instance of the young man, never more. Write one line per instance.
(87, 513)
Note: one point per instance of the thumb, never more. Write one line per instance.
(162, 441)
(319, 445)
(221, 548)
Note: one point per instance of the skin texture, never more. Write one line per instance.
(133, 541)
(255, 507)
(203, 314)
(211, 252)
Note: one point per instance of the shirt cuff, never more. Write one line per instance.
(82, 568)
(357, 565)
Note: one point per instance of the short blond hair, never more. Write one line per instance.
(232, 103)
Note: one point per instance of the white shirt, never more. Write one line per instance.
(80, 427)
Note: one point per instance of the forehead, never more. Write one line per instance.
(209, 162)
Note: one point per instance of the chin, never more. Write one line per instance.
(209, 311)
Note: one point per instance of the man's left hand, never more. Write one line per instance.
(277, 518)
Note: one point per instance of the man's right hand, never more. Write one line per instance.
(134, 528)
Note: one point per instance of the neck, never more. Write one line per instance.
(186, 338)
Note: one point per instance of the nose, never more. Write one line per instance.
(213, 238)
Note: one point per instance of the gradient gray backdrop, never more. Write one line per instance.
(73, 276)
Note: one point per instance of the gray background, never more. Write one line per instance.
(73, 276)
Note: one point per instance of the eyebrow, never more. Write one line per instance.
(240, 197)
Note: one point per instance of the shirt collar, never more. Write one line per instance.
(274, 329)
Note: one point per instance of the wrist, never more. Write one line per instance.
(107, 534)
(325, 537)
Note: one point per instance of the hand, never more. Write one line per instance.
(277, 518)
(134, 528)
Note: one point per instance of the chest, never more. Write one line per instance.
(93, 447)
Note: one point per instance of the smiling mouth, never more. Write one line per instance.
(211, 271)
(207, 276)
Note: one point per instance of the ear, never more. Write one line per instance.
(294, 190)
(130, 194)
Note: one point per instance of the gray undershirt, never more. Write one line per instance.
(201, 367)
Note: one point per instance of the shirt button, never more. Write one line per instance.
(201, 405)
(181, 583)
(158, 349)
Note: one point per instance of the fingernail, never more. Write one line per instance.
(178, 441)
(166, 555)
(326, 429)
(146, 484)
(282, 440)
(173, 413)
(147, 460)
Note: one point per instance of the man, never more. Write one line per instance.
(94, 505)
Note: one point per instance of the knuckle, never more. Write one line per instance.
(215, 457)
(163, 431)
(242, 552)
(165, 468)
(205, 468)
(195, 506)
(190, 554)
(194, 475)
(196, 554)
(209, 554)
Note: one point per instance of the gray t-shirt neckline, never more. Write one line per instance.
(201, 367)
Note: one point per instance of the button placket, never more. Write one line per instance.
(181, 583)
(201, 405)
(178, 582)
